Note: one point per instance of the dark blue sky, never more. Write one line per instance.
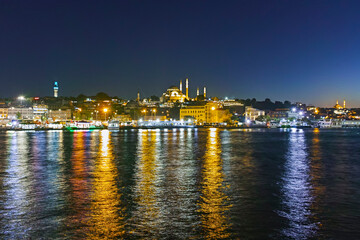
(286, 50)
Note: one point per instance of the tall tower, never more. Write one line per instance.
(56, 89)
(344, 104)
(187, 88)
(138, 97)
(204, 92)
(197, 92)
(180, 85)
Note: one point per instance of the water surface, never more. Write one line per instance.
(180, 184)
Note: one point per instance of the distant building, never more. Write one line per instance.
(56, 89)
(279, 113)
(173, 94)
(40, 110)
(211, 112)
(196, 113)
(4, 113)
(60, 115)
(20, 113)
(253, 113)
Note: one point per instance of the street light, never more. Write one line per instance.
(21, 98)
(105, 111)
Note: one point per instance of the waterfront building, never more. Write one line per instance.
(4, 113)
(279, 113)
(20, 113)
(253, 113)
(40, 110)
(197, 113)
(211, 113)
(60, 115)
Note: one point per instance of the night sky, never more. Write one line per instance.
(283, 50)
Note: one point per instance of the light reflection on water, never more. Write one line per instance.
(179, 184)
(106, 220)
(213, 202)
(296, 188)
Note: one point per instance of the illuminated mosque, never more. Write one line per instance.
(340, 109)
(175, 94)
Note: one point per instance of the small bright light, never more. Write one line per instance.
(301, 113)
(226, 98)
(105, 110)
(248, 121)
(213, 108)
(293, 109)
(21, 98)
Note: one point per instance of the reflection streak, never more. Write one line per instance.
(106, 217)
(213, 200)
(296, 189)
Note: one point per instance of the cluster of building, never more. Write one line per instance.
(174, 107)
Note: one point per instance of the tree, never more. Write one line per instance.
(81, 97)
(154, 98)
(18, 115)
(263, 118)
(101, 96)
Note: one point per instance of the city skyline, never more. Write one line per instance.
(304, 52)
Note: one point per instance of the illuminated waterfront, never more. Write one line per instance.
(180, 184)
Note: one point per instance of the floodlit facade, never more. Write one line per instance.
(173, 94)
(61, 114)
(210, 113)
(20, 113)
(195, 112)
(253, 113)
(40, 111)
(3, 113)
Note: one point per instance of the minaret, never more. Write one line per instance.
(204, 92)
(344, 104)
(138, 96)
(187, 88)
(197, 92)
(56, 88)
(337, 102)
(180, 85)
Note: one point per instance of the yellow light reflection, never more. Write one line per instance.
(146, 216)
(214, 202)
(79, 184)
(106, 217)
(316, 173)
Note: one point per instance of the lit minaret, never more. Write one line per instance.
(187, 88)
(180, 85)
(344, 104)
(56, 89)
(204, 92)
(197, 92)
(138, 96)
